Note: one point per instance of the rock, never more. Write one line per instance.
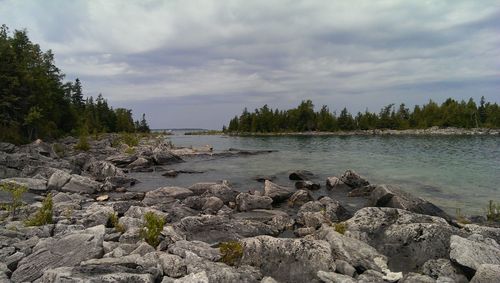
(277, 193)
(326, 210)
(221, 191)
(307, 185)
(299, 198)
(212, 205)
(69, 250)
(13, 260)
(165, 195)
(353, 180)
(33, 185)
(96, 214)
(102, 198)
(335, 183)
(199, 248)
(301, 232)
(121, 160)
(301, 175)
(143, 249)
(139, 165)
(268, 279)
(7, 147)
(355, 252)
(416, 278)
(343, 267)
(288, 260)
(81, 185)
(114, 182)
(97, 273)
(371, 276)
(215, 228)
(408, 239)
(101, 170)
(139, 211)
(487, 273)
(58, 179)
(489, 232)
(472, 253)
(263, 178)
(393, 196)
(170, 174)
(162, 155)
(361, 191)
(332, 277)
(246, 202)
(173, 265)
(200, 277)
(39, 147)
(442, 267)
(200, 188)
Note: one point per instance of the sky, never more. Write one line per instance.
(197, 64)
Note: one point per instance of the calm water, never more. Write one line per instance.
(453, 172)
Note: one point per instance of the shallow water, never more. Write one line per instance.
(453, 172)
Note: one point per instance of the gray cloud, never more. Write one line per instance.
(198, 63)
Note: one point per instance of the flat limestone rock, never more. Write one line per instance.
(69, 250)
(472, 253)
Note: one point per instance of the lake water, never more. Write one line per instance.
(452, 172)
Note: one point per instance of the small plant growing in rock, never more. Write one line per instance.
(340, 227)
(16, 193)
(129, 139)
(59, 149)
(44, 214)
(130, 151)
(83, 143)
(153, 225)
(493, 211)
(231, 251)
(461, 218)
(114, 222)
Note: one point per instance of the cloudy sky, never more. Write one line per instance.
(198, 63)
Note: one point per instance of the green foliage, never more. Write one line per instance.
(83, 142)
(16, 193)
(129, 139)
(153, 225)
(130, 151)
(303, 118)
(340, 227)
(493, 211)
(59, 149)
(114, 222)
(461, 218)
(231, 251)
(44, 214)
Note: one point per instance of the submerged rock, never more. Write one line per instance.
(301, 175)
(307, 185)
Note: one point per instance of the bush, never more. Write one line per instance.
(231, 251)
(44, 214)
(493, 211)
(114, 222)
(16, 192)
(129, 139)
(83, 143)
(153, 225)
(340, 227)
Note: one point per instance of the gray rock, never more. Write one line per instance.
(246, 202)
(326, 210)
(97, 273)
(58, 179)
(301, 232)
(200, 277)
(212, 205)
(200, 249)
(486, 231)
(408, 239)
(487, 273)
(416, 278)
(277, 193)
(68, 250)
(299, 198)
(343, 267)
(301, 175)
(335, 183)
(288, 260)
(353, 179)
(332, 277)
(222, 191)
(162, 155)
(114, 182)
(143, 249)
(101, 170)
(173, 265)
(393, 196)
(122, 160)
(139, 165)
(309, 185)
(130, 261)
(268, 279)
(81, 185)
(443, 267)
(371, 276)
(34, 185)
(96, 214)
(139, 211)
(13, 260)
(200, 188)
(472, 253)
(166, 195)
(7, 147)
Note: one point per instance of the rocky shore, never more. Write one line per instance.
(103, 231)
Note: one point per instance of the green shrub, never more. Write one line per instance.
(340, 227)
(83, 143)
(44, 214)
(461, 218)
(493, 211)
(114, 222)
(153, 225)
(129, 139)
(59, 149)
(231, 251)
(16, 192)
(130, 151)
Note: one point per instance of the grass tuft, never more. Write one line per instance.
(153, 225)
(340, 227)
(231, 251)
(44, 214)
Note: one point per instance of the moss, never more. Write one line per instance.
(153, 225)
(44, 214)
(16, 192)
(114, 222)
(340, 227)
(231, 251)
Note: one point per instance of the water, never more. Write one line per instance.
(452, 172)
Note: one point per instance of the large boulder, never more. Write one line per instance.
(33, 185)
(310, 185)
(58, 179)
(246, 201)
(97, 273)
(335, 183)
(101, 170)
(407, 239)
(201, 249)
(166, 195)
(82, 185)
(221, 191)
(69, 250)
(326, 210)
(7, 147)
(487, 273)
(121, 160)
(162, 155)
(353, 179)
(393, 196)
(444, 268)
(288, 260)
(299, 198)
(474, 251)
(277, 193)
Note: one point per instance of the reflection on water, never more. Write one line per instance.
(453, 172)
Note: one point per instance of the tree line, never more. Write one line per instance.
(451, 113)
(36, 102)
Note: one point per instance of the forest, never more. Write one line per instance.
(36, 102)
(451, 113)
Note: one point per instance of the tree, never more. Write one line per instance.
(142, 126)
